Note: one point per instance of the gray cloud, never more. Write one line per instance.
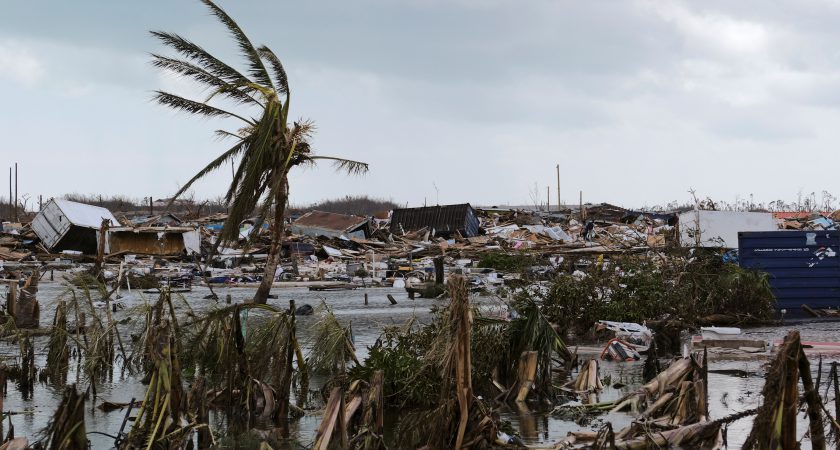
(637, 100)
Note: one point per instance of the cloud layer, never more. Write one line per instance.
(461, 100)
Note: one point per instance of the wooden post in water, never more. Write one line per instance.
(286, 378)
(100, 248)
(438, 270)
(11, 301)
(366, 299)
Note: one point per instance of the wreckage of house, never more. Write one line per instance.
(155, 241)
(65, 225)
(443, 221)
(320, 223)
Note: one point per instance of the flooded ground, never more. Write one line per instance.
(727, 394)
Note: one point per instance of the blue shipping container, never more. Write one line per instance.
(804, 266)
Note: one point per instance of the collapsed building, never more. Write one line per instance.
(64, 225)
(328, 246)
(320, 223)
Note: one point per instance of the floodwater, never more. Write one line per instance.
(727, 394)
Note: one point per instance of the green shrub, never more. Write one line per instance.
(508, 262)
(682, 286)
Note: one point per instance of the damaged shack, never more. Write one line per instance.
(156, 241)
(440, 221)
(65, 225)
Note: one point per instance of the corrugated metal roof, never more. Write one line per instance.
(330, 221)
(444, 219)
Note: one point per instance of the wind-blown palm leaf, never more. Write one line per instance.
(257, 68)
(202, 57)
(215, 164)
(224, 134)
(194, 107)
(345, 165)
(279, 72)
(201, 75)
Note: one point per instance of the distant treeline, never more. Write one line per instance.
(356, 205)
(187, 207)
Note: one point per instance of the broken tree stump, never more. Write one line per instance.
(27, 311)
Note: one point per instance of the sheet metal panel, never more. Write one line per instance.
(444, 220)
(804, 266)
(50, 224)
(721, 228)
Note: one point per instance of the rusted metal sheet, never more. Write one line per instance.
(158, 241)
(320, 223)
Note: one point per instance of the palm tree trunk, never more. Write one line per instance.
(273, 259)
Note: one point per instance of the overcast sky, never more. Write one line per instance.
(449, 101)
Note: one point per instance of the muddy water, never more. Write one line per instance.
(727, 394)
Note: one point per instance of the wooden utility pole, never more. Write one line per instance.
(9, 212)
(151, 207)
(582, 212)
(548, 199)
(559, 205)
(16, 194)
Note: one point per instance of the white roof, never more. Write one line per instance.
(84, 215)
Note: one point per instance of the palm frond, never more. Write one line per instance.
(257, 68)
(215, 164)
(224, 134)
(345, 165)
(331, 348)
(279, 72)
(202, 57)
(188, 69)
(194, 107)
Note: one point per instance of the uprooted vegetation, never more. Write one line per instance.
(445, 381)
(690, 287)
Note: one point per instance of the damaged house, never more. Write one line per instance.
(320, 223)
(66, 225)
(157, 241)
(444, 221)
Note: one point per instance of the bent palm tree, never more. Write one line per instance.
(267, 147)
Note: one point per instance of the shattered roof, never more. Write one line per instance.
(330, 221)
